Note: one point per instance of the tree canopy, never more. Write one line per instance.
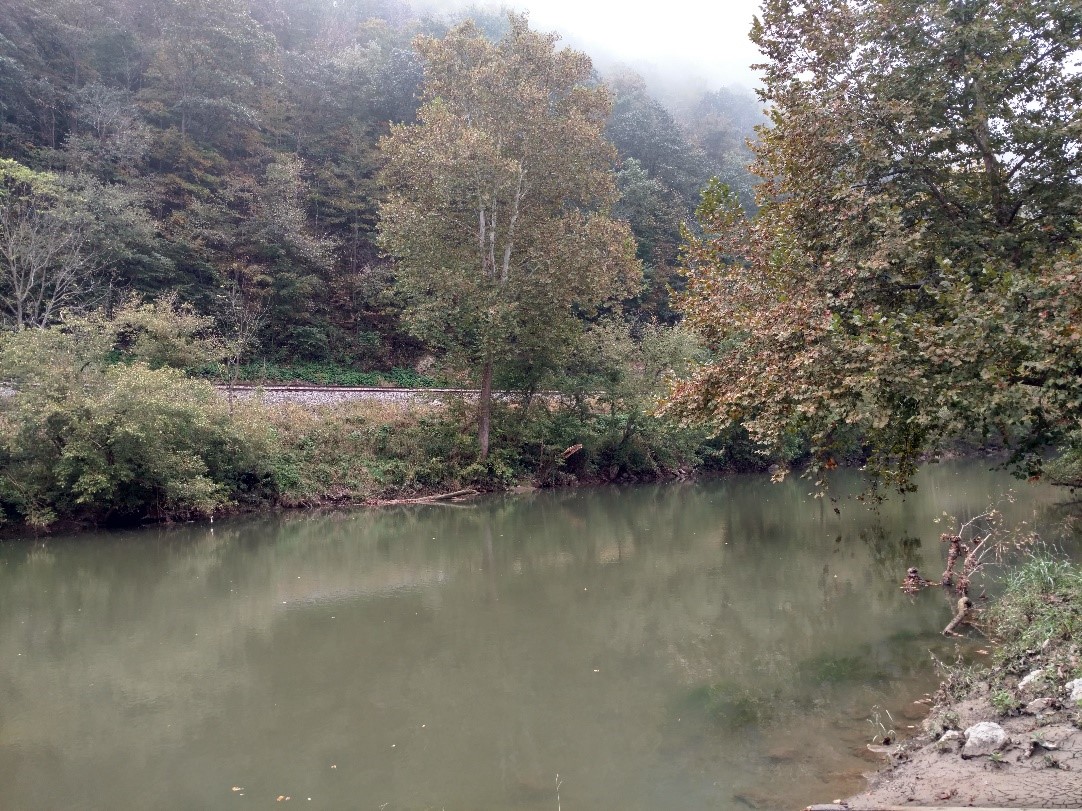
(498, 198)
(913, 275)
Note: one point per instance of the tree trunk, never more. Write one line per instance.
(484, 409)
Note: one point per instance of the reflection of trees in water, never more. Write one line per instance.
(892, 552)
(97, 647)
(489, 617)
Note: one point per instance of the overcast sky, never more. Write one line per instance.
(696, 37)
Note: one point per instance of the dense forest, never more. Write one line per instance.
(227, 151)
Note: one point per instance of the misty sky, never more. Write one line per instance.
(708, 38)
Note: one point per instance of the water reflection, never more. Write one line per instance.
(708, 645)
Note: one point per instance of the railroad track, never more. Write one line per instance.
(318, 395)
(249, 388)
(313, 394)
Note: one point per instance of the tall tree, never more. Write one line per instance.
(498, 199)
(642, 128)
(913, 274)
(65, 241)
(722, 123)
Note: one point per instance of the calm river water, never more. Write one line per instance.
(719, 645)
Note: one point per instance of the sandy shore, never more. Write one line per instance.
(1035, 764)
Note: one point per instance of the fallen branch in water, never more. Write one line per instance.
(965, 609)
(982, 540)
(469, 491)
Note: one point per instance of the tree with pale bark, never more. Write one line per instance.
(498, 201)
(47, 259)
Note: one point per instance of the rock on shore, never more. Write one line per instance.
(1033, 759)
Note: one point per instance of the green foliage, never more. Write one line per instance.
(912, 276)
(498, 198)
(105, 426)
(249, 140)
(355, 452)
(1067, 468)
(1004, 702)
(1040, 611)
(164, 332)
(642, 128)
(722, 123)
(367, 450)
(210, 59)
(205, 145)
(330, 374)
(85, 438)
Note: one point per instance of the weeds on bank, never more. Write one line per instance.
(323, 374)
(363, 450)
(957, 682)
(1034, 623)
(1038, 617)
(1004, 702)
(366, 450)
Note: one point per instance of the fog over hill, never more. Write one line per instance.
(674, 44)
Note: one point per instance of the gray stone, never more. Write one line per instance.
(951, 740)
(1039, 705)
(1074, 690)
(1031, 680)
(983, 739)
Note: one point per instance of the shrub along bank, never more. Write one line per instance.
(101, 425)
(129, 443)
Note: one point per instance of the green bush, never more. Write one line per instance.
(1066, 469)
(86, 438)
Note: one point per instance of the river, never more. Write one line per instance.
(724, 644)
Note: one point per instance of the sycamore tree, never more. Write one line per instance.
(498, 199)
(913, 275)
(62, 236)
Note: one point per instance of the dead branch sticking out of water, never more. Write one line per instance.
(956, 548)
(982, 540)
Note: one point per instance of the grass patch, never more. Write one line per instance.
(1038, 617)
(1034, 624)
(364, 450)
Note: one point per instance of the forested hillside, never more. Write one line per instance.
(228, 151)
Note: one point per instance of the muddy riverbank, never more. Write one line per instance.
(1007, 734)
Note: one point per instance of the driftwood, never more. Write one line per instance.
(956, 549)
(913, 581)
(434, 499)
(965, 609)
